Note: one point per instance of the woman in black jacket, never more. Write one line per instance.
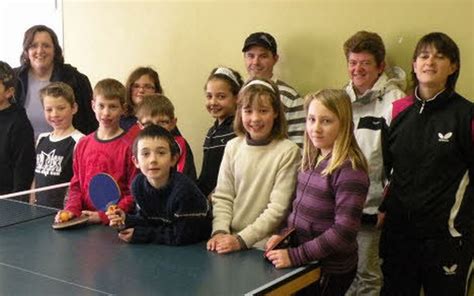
(42, 62)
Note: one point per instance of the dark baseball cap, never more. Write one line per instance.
(260, 39)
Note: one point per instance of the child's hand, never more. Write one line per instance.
(279, 258)
(272, 241)
(212, 243)
(227, 243)
(126, 234)
(63, 216)
(94, 217)
(116, 217)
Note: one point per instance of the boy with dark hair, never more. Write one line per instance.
(108, 150)
(171, 208)
(17, 147)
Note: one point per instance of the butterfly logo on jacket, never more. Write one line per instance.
(445, 137)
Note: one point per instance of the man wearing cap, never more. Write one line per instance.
(260, 56)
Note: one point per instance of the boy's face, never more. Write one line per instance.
(162, 120)
(58, 112)
(107, 111)
(154, 160)
(5, 95)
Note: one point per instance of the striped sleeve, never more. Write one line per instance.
(294, 112)
(350, 189)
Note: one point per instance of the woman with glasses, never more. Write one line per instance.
(42, 62)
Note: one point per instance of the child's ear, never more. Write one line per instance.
(173, 123)
(93, 104)
(174, 159)
(135, 161)
(10, 92)
(74, 108)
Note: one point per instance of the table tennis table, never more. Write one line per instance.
(91, 260)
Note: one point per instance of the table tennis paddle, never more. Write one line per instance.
(103, 191)
(71, 223)
(279, 244)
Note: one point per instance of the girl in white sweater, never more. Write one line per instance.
(257, 176)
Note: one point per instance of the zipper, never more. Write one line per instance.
(422, 106)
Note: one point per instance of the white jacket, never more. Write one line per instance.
(372, 116)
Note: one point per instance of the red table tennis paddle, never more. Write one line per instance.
(103, 191)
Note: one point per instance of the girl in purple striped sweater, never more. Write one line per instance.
(331, 191)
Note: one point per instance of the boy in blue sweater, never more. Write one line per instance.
(171, 209)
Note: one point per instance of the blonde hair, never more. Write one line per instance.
(110, 89)
(58, 89)
(345, 147)
(154, 105)
(251, 93)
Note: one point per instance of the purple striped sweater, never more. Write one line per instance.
(326, 214)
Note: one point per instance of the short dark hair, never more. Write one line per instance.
(156, 132)
(28, 40)
(7, 75)
(444, 45)
(364, 41)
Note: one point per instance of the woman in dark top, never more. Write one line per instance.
(42, 62)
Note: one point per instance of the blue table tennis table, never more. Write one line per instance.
(91, 260)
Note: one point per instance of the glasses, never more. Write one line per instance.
(147, 87)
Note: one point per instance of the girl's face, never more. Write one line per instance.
(58, 112)
(220, 102)
(41, 51)
(432, 68)
(258, 118)
(322, 127)
(142, 86)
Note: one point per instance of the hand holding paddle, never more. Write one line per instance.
(65, 219)
(116, 217)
